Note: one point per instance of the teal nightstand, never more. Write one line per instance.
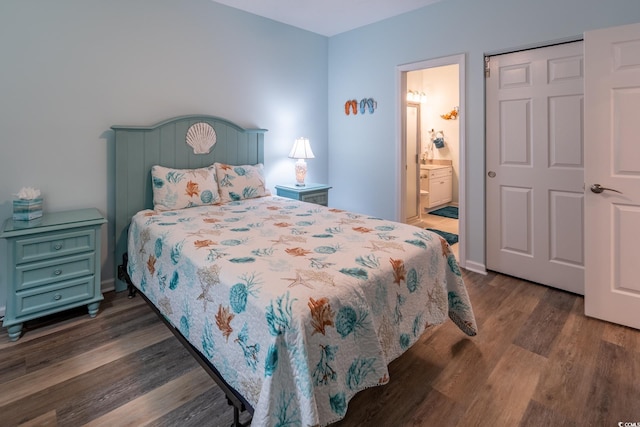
(312, 193)
(53, 264)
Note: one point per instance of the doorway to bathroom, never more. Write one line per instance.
(432, 143)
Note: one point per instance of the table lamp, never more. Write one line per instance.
(301, 150)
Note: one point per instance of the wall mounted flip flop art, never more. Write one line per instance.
(366, 104)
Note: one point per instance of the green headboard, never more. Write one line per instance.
(138, 148)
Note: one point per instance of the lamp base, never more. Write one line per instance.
(301, 172)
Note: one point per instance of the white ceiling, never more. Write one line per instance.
(327, 17)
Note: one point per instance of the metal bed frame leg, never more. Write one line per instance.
(236, 416)
(124, 276)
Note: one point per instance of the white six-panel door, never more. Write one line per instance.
(612, 160)
(534, 165)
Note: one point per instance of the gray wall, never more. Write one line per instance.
(363, 152)
(70, 69)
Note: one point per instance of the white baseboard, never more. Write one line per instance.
(476, 267)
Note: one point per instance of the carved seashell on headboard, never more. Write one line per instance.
(201, 137)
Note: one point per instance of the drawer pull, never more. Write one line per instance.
(57, 297)
(57, 246)
(57, 272)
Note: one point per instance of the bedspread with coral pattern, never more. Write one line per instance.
(297, 305)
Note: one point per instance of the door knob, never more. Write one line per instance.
(597, 188)
(491, 174)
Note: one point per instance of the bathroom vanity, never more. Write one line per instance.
(436, 185)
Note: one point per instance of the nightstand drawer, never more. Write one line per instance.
(60, 294)
(55, 270)
(54, 245)
(317, 198)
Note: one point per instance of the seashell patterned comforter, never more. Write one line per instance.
(298, 306)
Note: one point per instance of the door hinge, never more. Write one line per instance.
(487, 71)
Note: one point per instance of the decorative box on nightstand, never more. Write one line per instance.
(312, 193)
(53, 264)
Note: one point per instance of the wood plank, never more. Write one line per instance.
(12, 367)
(622, 336)
(208, 409)
(157, 402)
(437, 410)
(45, 420)
(61, 345)
(615, 390)
(113, 304)
(74, 366)
(566, 382)
(539, 415)
(552, 312)
(112, 385)
(52, 343)
(504, 398)
(471, 365)
(524, 296)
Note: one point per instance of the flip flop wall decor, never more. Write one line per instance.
(366, 104)
(351, 105)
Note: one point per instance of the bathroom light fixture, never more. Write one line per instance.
(415, 96)
(301, 150)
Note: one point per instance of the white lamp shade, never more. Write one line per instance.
(301, 149)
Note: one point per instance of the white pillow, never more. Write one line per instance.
(240, 182)
(183, 188)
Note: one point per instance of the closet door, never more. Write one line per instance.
(534, 164)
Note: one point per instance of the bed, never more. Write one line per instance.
(291, 307)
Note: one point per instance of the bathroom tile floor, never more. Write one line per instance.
(442, 223)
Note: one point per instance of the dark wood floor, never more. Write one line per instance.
(537, 361)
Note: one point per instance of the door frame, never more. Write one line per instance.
(401, 115)
(415, 218)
